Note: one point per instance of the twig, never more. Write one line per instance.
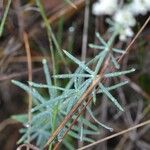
(28, 51)
(34, 59)
(71, 4)
(85, 31)
(67, 11)
(84, 43)
(117, 134)
(6, 123)
(28, 146)
(137, 88)
(15, 75)
(19, 12)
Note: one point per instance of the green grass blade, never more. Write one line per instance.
(4, 17)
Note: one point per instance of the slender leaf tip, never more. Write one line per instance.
(133, 69)
(13, 81)
(30, 83)
(97, 34)
(64, 51)
(44, 61)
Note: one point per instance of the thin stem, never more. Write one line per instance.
(127, 50)
(4, 17)
(49, 32)
(84, 46)
(85, 31)
(28, 51)
(117, 134)
(1, 8)
(28, 146)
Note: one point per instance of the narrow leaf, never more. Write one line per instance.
(96, 46)
(101, 124)
(117, 66)
(52, 92)
(118, 50)
(115, 102)
(40, 85)
(63, 76)
(115, 86)
(115, 74)
(100, 62)
(34, 92)
(86, 68)
(100, 39)
(75, 135)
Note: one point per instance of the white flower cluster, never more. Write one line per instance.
(122, 14)
(105, 7)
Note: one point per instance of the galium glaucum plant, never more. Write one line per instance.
(122, 13)
(47, 113)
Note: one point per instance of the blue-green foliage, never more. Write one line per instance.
(48, 113)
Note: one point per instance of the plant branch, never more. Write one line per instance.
(29, 61)
(117, 134)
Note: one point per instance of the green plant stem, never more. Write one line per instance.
(49, 31)
(4, 17)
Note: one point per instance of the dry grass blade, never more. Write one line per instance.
(117, 134)
(85, 31)
(137, 88)
(29, 61)
(67, 11)
(15, 75)
(71, 4)
(28, 146)
(28, 52)
(6, 122)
